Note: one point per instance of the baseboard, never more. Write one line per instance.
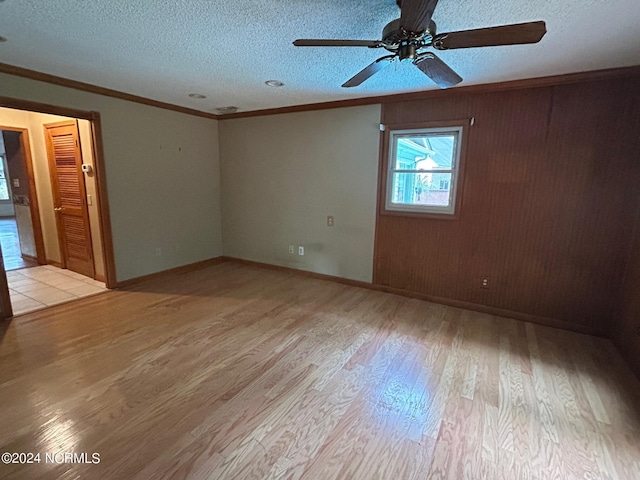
(30, 258)
(499, 312)
(172, 271)
(628, 344)
(100, 278)
(54, 263)
(320, 276)
(549, 322)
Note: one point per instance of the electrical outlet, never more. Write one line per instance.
(485, 283)
(330, 221)
(292, 249)
(300, 250)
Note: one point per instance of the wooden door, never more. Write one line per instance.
(69, 196)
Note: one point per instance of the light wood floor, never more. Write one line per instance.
(10, 242)
(235, 372)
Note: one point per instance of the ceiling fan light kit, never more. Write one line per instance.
(407, 36)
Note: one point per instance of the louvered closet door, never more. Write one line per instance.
(69, 197)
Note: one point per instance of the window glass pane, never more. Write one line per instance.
(4, 191)
(425, 152)
(431, 189)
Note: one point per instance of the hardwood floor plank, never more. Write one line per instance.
(506, 404)
(472, 462)
(469, 383)
(450, 449)
(439, 344)
(490, 439)
(546, 413)
(439, 403)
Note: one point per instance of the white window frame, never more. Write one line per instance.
(394, 135)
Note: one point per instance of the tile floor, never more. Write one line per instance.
(39, 287)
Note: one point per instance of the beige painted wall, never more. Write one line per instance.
(163, 177)
(43, 182)
(282, 175)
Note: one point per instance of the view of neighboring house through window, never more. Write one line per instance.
(4, 188)
(423, 169)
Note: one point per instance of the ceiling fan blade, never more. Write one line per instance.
(531, 32)
(437, 70)
(304, 42)
(367, 72)
(416, 14)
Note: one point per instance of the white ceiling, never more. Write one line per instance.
(165, 50)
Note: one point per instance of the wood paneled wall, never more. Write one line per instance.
(550, 189)
(627, 334)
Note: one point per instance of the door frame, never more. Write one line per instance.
(94, 119)
(38, 238)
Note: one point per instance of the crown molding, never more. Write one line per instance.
(554, 80)
(107, 92)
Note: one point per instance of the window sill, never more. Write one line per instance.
(422, 215)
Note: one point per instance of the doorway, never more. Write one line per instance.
(22, 242)
(63, 247)
(9, 240)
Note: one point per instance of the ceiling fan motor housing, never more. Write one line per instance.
(406, 44)
(392, 32)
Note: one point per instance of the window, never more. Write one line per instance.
(4, 188)
(423, 170)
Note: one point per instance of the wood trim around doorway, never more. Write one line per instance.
(34, 208)
(98, 158)
(6, 310)
(101, 199)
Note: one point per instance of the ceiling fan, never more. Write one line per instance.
(414, 31)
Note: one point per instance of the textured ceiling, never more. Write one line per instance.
(226, 50)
